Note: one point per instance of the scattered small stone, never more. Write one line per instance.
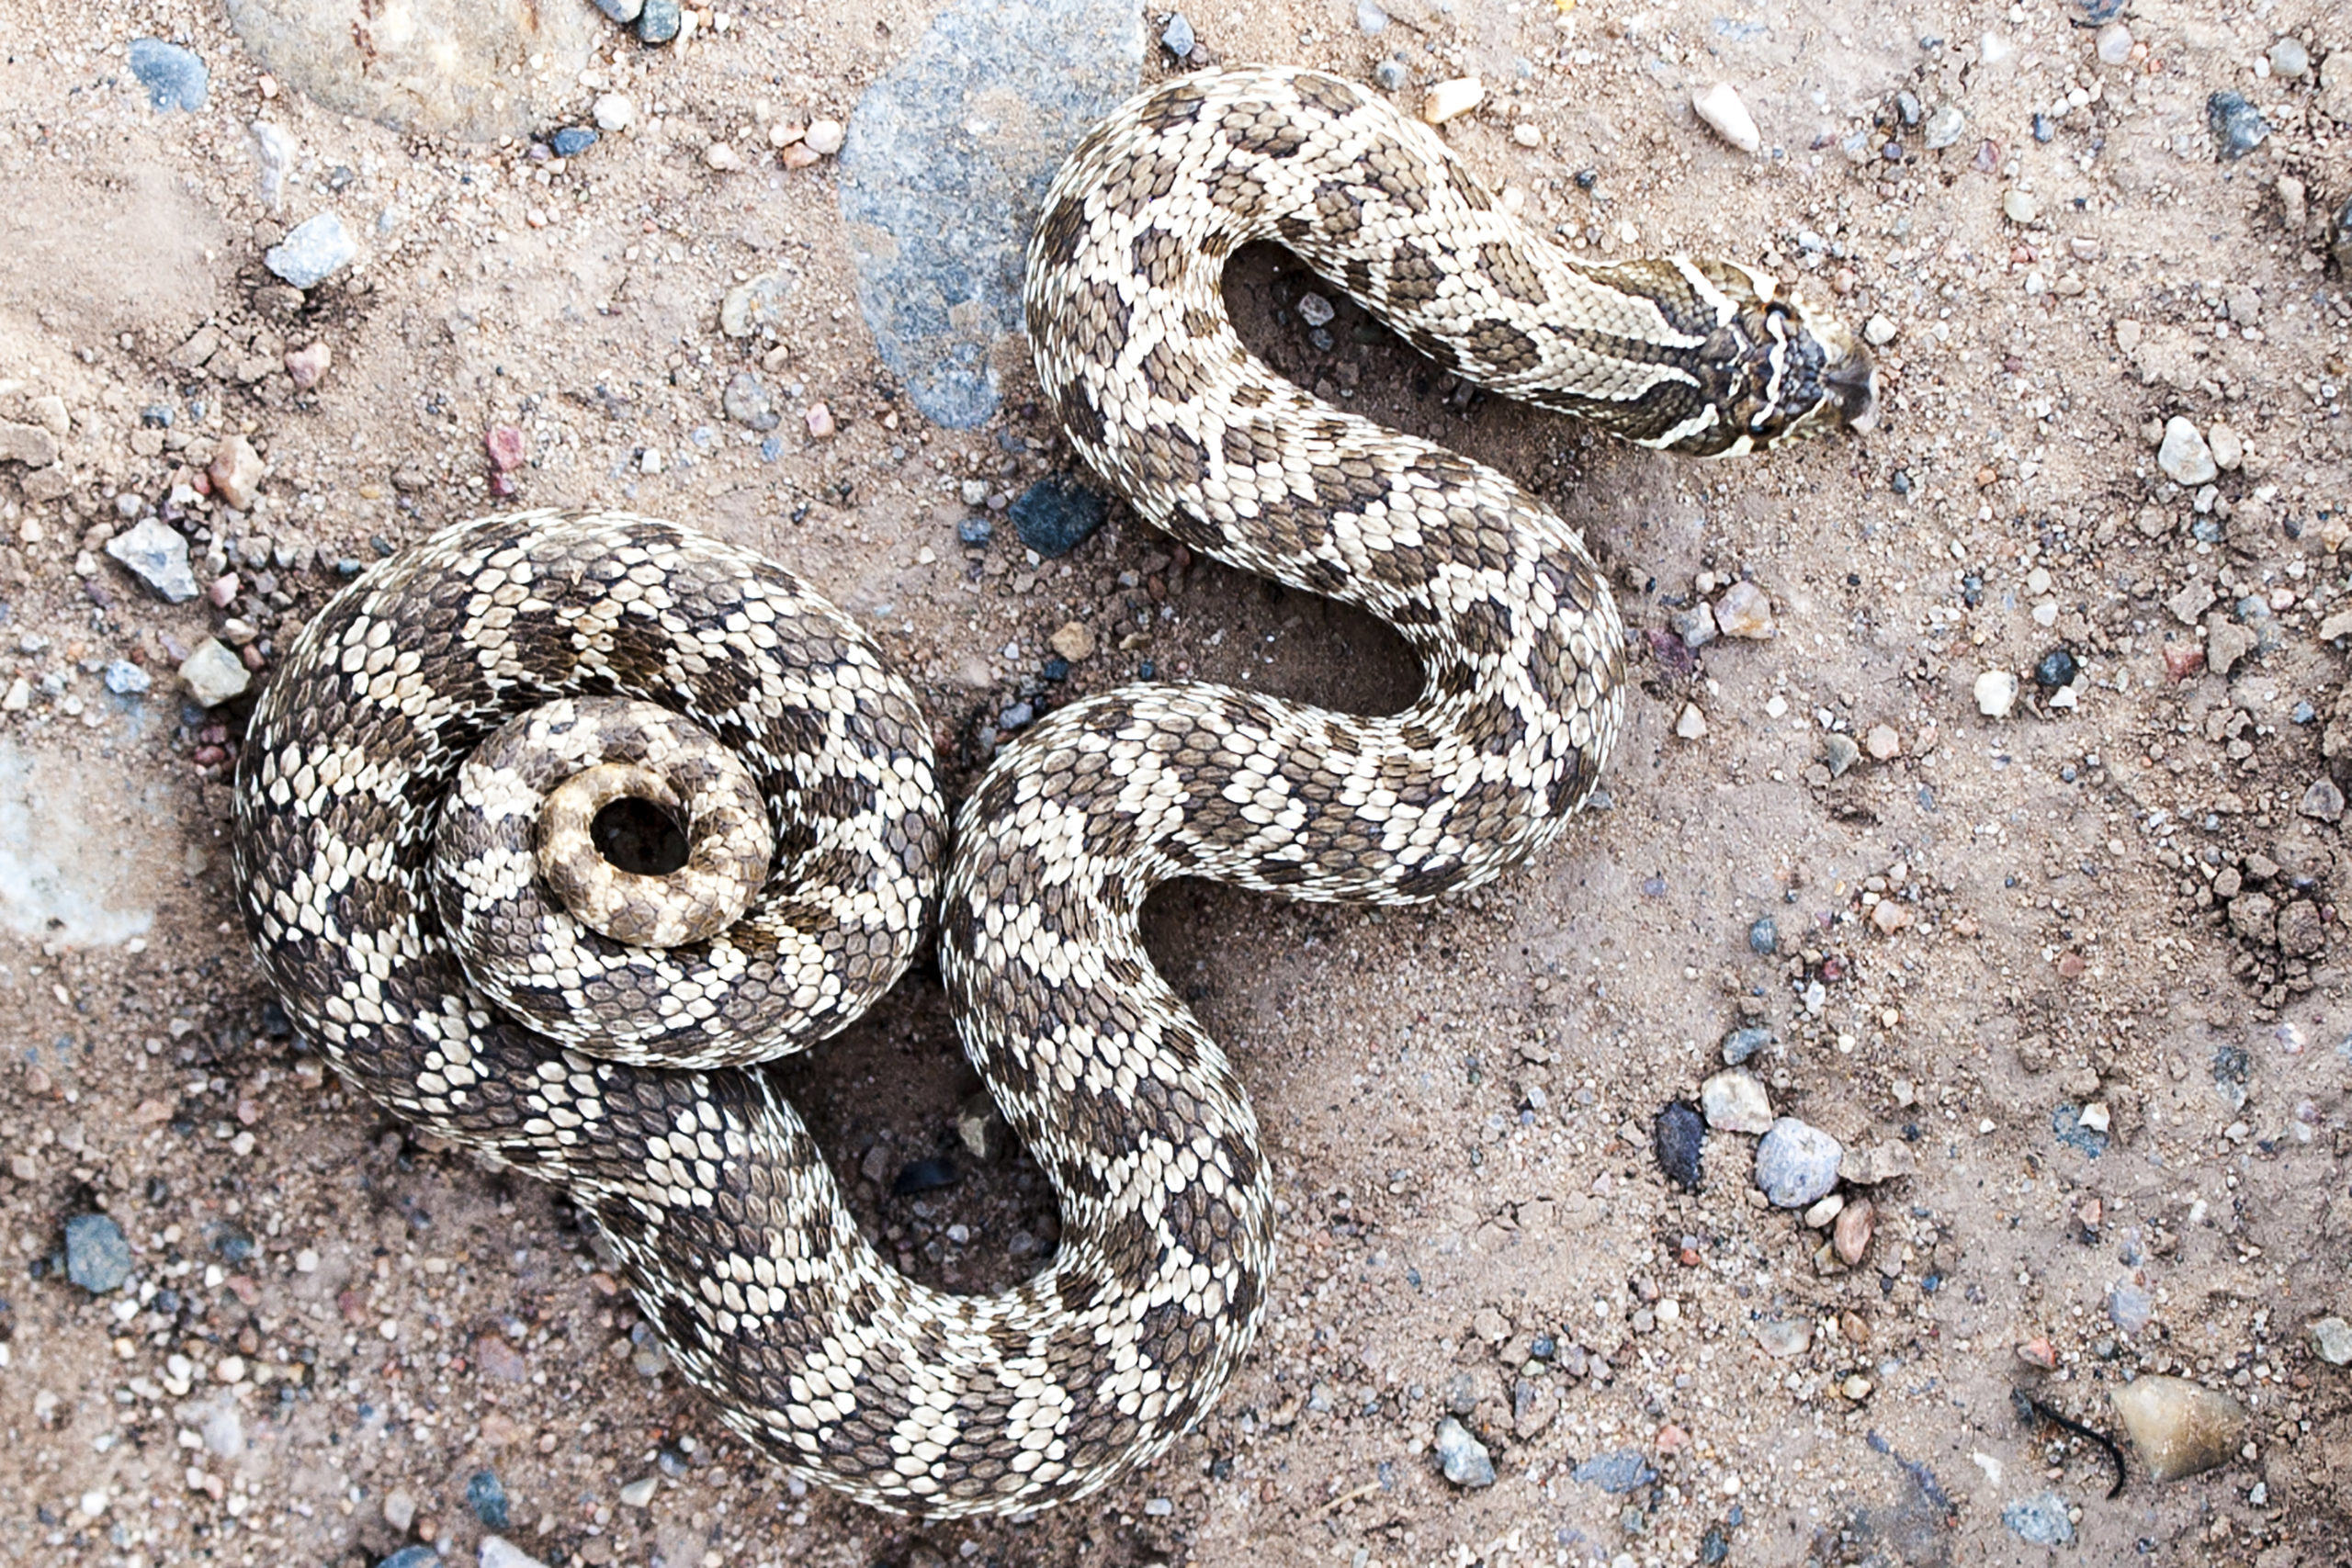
(1450, 100)
(825, 137)
(313, 251)
(1719, 106)
(486, 1496)
(33, 445)
(308, 366)
(1073, 642)
(157, 554)
(1177, 36)
(1944, 127)
(1735, 1102)
(1851, 1236)
(2324, 801)
(2021, 208)
(1618, 1471)
(2226, 643)
(1371, 20)
(1881, 1162)
(2237, 126)
(614, 111)
(1783, 1337)
(821, 422)
(174, 77)
(1819, 1216)
(1680, 1140)
(571, 141)
(1691, 725)
(722, 157)
(399, 1509)
(1741, 1045)
(1839, 752)
(621, 11)
(640, 1492)
(2113, 43)
(923, 1176)
(1696, 626)
(1880, 330)
(2332, 1341)
(1996, 693)
(98, 1259)
(1744, 611)
(748, 405)
(981, 1128)
(236, 472)
(757, 305)
(1054, 515)
(1882, 744)
(659, 21)
(2289, 60)
(2055, 669)
(502, 445)
(125, 679)
(1764, 936)
(2041, 1520)
(1315, 311)
(2129, 1306)
(2223, 442)
(1463, 1457)
(497, 1551)
(975, 530)
(1796, 1163)
(2180, 1428)
(1392, 75)
(214, 673)
(2183, 455)
(418, 1556)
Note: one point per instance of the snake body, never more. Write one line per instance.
(419, 785)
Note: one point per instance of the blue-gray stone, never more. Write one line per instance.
(2066, 1122)
(1463, 1457)
(976, 530)
(573, 141)
(748, 405)
(315, 251)
(1742, 1044)
(1176, 38)
(1681, 1137)
(2129, 1307)
(1056, 514)
(659, 22)
(97, 1257)
(125, 679)
(622, 11)
(413, 1557)
(1392, 75)
(2040, 1519)
(486, 1496)
(1621, 1470)
(2237, 126)
(1796, 1163)
(175, 78)
(1764, 937)
(946, 165)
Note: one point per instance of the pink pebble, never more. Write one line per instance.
(504, 444)
(820, 421)
(223, 589)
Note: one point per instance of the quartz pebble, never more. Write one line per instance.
(1796, 1163)
(2113, 44)
(1691, 725)
(157, 554)
(2289, 60)
(1996, 693)
(2184, 455)
(1451, 99)
(1783, 1337)
(236, 472)
(1719, 107)
(214, 673)
(1882, 744)
(1696, 626)
(614, 111)
(497, 1551)
(638, 1493)
(1463, 1457)
(2021, 207)
(1073, 642)
(1878, 331)
(825, 137)
(1944, 127)
(2180, 1428)
(313, 251)
(308, 366)
(2129, 1307)
(1735, 1102)
(1744, 611)
(399, 1509)
(2332, 1341)
(2223, 443)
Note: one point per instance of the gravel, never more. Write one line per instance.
(156, 553)
(497, 1551)
(97, 1258)
(175, 78)
(1742, 1044)
(2184, 455)
(2129, 1307)
(312, 252)
(2042, 1519)
(1764, 936)
(1796, 1163)
(658, 21)
(1735, 1102)
(2237, 126)
(486, 1496)
(1054, 515)
(214, 674)
(2332, 1341)
(1680, 1138)
(1745, 611)
(1618, 1471)
(1996, 693)
(748, 405)
(1719, 106)
(1463, 1457)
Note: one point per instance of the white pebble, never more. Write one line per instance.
(1448, 99)
(825, 137)
(1878, 331)
(1719, 106)
(1692, 725)
(1996, 693)
(614, 111)
(2183, 455)
(638, 1493)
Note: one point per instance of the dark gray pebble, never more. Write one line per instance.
(413, 1557)
(573, 140)
(2066, 1122)
(1620, 1470)
(658, 23)
(2237, 126)
(175, 78)
(1764, 937)
(1742, 1044)
(2056, 668)
(976, 530)
(622, 11)
(1056, 514)
(98, 1259)
(1392, 75)
(486, 1496)
(1681, 1137)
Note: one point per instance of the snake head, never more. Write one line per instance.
(1779, 372)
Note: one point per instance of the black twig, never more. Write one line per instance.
(2029, 1408)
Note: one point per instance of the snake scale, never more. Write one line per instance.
(419, 793)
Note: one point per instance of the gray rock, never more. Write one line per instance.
(1944, 126)
(2237, 126)
(98, 1259)
(2324, 801)
(2184, 457)
(747, 402)
(1742, 1044)
(1783, 1338)
(1681, 1139)
(214, 673)
(1371, 20)
(2180, 1428)
(125, 679)
(1177, 38)
(622, 11)
(757, 306)
(2332, 1341)
(174, 77)
(314, 250)
(1840, 751)
(1620, 1470)
(1464, 1457)
(1695, 625)
(2289, 60)
(2040, 1520)
(1393, 76)
(1764, 937)
(1796, 1163)
(1056, 514)
(462, 68)
(658, 21)
(947, 160)
(157, 554)
(2129, 1306)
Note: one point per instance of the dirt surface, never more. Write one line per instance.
(1991, 934)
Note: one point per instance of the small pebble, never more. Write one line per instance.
(2180, 1428)
(2040, 1521)
(1996, 693)
(621, 11)
(312, 252)
(2223, 442)
(820, 418)
(1073, 642)
(2021, 207)
(1054, 515)
(308, 366)
(2129, 1307)
(235, 473)
(1796, 1163)
(214, 673)
(1696, 626)
(2237, 126)
(157, 554)
(746, 402)
(1783, 1337)
(125, 679)
(1741, 1045)
(2114, 44)
(721, 157)
(573, 141)
(614, 111)
(1944, 128)
(1882, 744)
(640, 1492)
(1177, 36)
(659, 21)
(825, 137)
(1744, 611)
(975, 530)
(2289, 60)
(1315, 311)
(1839, 752)
(2332, 1341)
(2183, 455)
(399, 1509)
(1681, 1139)
(502, 445)
(1393, 76)
(2055, 669)
(1463, 1457)
(1851, 1236)
(1618, 1471)
(419, 1556)
(497, 1551)
(1735, 1102)
(486, 1496)
(97, 1258)
(1719, 106)
(1819, 1216)
(174, 77)
(1448, 100)
(1371, 20)
(1878, 331)
(1692, 725)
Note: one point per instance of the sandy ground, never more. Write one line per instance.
(2106, 903)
